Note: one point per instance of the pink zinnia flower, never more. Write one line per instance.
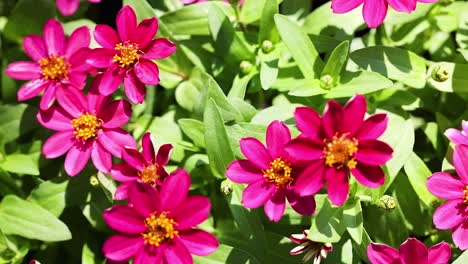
(453, 214)
(270, 174)
(187, 2)
(412, 251)
(339, 142)
(375, 11)
(158, 227)
(312, 249)
(57, 63)
(147, 167)
(457, 136)
(69, 7)
(127, 56)
(87, 127)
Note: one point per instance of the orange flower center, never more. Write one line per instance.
(465, 195)
(159, 229)
(86, 126)
(128, 54)
(279, 173)
(150, 174)
(54, 68)
(340, 152)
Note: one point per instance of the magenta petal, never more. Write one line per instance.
(174, 190)
(311, 180)
(124, 219)
(76, 159)
(111, 80)
(145, 32)
(344, 6)
(144, 198)
(373, 127)
(337, 185)
(133, 158)
(176, 252)
(106, 36)
(275, 206)
(456, 136)
(304, 205)
(122, 172)
(257, 193)
(134, 89)
(374, 12)
(55, 118)
(148, 148)
(32, 89)
(115, 139)
(382, 254)
(147, 255)
(101, 58)
(76, 79)
(192, 212)
(101, 158)
(199, 242)
(95, 99)
(122, 247)
(308, 121)
(407, 6)
(115, 114)
(164, 153)
(243, 171)
(450, 214)
(159, 49)
(34, 46)
(354, 112)
(445, 186)
(54, 37)
(412, 251)
(78, 62)
(305, 149)
(373, 152)
(80, 38)
(333, 118)
(24, 70)
(58, 144)
(48, 97)
(67, 7)
(121, 192)
(126, 23)
(277, 136)
(255, 152)
(460, 161)
(440, 253)
(147, 72)
(369, 176)
(460, 235)
(72, 100)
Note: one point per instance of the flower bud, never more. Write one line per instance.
(93, 180)
(387, 202)
(246, 67)
(226, 187)
(267, 46)
(326, 81)
(440, 73)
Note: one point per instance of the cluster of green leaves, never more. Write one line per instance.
(235, 71)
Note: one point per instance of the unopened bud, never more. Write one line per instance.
(246, 67)
(387, 202)
(326, 81)
(93, 180)
(440, 73)
(226, 187)
(267, 46)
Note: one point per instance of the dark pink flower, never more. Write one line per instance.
(69, 7)
(87, 127)
(158, 227)
(375, 11)
(457, 136)
(312, 249)
(270, 174)
(339, 142)
(147, 167)
(453, 214)
(127, 56)
(57, 63)
(412, 251)
(241, 2)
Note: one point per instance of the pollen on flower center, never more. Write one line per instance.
(150, 174)
(465, 195)
(54, 68)
(128, 54)
(279, 172)
(86, 126)
(159, 228)
(340, 151)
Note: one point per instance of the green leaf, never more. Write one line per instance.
(337, 61)
(327, 224)
(226, 254)
(51, 196)
(268, 70)
(360, 82)
(268, 30)
(194, 129)
(308, 88)
(300, 47)
(462, 259)
(393, 63)
(27, 219)
(216, 139)
(8, 185)
(186, 94)
(418, 173)
(352, 217)
(142, 8)
(20, 164)
(17, 119)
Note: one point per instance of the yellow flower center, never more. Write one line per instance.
(340, 152)
(149, 174)
(54, 68)
(128, 54)
(279, 173)
(86, 126)
(159, 229)
(465, 195)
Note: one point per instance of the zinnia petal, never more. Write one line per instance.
(311, 180)
(174, 190)
(134, 89)
(145, 32)
(101, 158)
(199, 242)
(412, 251)
(76, 159)
(460, 161)
(308, 121)
(445, 186)
(382, 254)
(305, 149)
(80, 38)
(373, 152)
(407, 6)
(48, 97)
(124, 219)
(277, 136)
(440, 253)
(275, 206)
(176, 252)
(159, 49)
(243, 171)
(122, 247)
(34, 46)
(255, 152)
(24, 70)
(164, 153)
(257, 193)
(304, 205)
(67, 7)
(369, 176)
(373, 127)
(144, 198)
(126, 23)
(115, 114)
(148, 148)
(354, 112)
(115, 139)
(450, 214)
(344, 6)
(460, 235)
(101, 58)
(54, 37)
(338, 185)
(58, 144)
(153, 256)
(191, 212)
(332, 118)
(55, 118)
(147, 72)
(106, 36)
(32, 89)
(374, 12)
(121, 193)
(133, 158)
(73, 101)
(122, 172)
(111, 80)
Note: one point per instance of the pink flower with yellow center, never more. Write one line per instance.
(69, 7)
(57, 62)
(412, 251)
(375, 11)
(127, 56)
(159, 226)
(147, 167)
(270, 174)
(88, 127)
(453, 214)
(338, 143)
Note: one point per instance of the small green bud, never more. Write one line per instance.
(440, 74)
(93, 180)
(246, 67)
(387, 202)
(326, 81)
(226, 187)
(267, 46)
